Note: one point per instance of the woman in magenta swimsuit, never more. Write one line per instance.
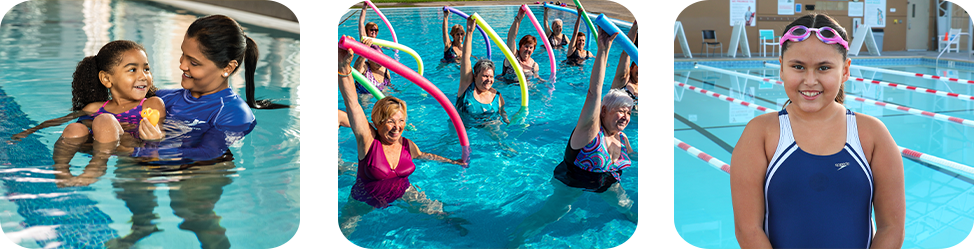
(595, 156)
(385, 158)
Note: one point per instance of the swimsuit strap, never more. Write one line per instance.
(106, 102)
(143, 101)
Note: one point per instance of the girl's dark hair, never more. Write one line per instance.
(86, 88)
(222, 40)
(816, 21)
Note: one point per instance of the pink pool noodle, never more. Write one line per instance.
(382, 59)
(541, 33)
(380, 13)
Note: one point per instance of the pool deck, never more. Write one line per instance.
(610, 8)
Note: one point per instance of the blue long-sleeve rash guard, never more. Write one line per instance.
(200, 128)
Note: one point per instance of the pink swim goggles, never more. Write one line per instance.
(828, 35)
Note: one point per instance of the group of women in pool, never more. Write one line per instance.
(595, 156)
(120, 112)
(811, 202)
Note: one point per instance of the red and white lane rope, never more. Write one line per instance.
(722, 96)
(916, 89)
(703, 156)
(926, 76)
(936, 161)
(918, 112)
(904, 87)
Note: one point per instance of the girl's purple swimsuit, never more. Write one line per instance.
(132, 116)
(376, 183)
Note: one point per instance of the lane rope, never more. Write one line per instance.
(703, 156)
(926, 76)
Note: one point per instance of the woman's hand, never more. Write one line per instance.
(345, 60)
(148, 131)
(605, 40)
(580, 11)
(367, 41)
(470, 23)
(521, 14)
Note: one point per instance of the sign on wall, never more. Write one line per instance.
(785, 8)
(855, 9)
(874, 13)
(742, 11)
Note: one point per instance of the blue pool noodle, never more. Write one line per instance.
(611, 28)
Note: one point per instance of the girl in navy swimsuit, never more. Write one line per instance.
(810, 175)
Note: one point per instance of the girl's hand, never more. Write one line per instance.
(148, 131)
(605, 40)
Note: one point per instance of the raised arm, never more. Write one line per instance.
(446, 32)
(588, 125)
(548, 30)
(888, 175)
(623, 67)
(466, 75)
(357, 117)
(748, 180)
(575, 30)
(513, 31)
(360, 63)
(362, 20)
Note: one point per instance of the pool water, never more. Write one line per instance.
(42, 41)
(939, 204)
(499, 189)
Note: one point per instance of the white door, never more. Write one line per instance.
(918, 33)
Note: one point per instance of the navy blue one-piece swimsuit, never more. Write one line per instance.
(814, 201)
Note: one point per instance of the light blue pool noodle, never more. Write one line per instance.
(621, 38)
(487, 41)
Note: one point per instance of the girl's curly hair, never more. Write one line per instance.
(86, 88)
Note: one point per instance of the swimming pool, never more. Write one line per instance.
(939, 203)
(498, 191)
(41, 42)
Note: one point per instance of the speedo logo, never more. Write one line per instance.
(196, 122)
(842, 165)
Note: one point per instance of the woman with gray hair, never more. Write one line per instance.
(478, 102)
(595, 156)
(554, 32)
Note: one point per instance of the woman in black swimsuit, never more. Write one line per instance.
(523, 53)
(453, 42)
(554, 33)
(626, 77)
(577, 47)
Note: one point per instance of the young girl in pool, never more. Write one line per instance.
(109, 93)
(810, 175)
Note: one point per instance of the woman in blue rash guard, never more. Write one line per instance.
(203, 119)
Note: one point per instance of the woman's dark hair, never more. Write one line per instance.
(86, 88)
(818, 21)
(222, 40)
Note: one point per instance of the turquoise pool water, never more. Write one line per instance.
(939, 204)
(498, 191)
(41, 42)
